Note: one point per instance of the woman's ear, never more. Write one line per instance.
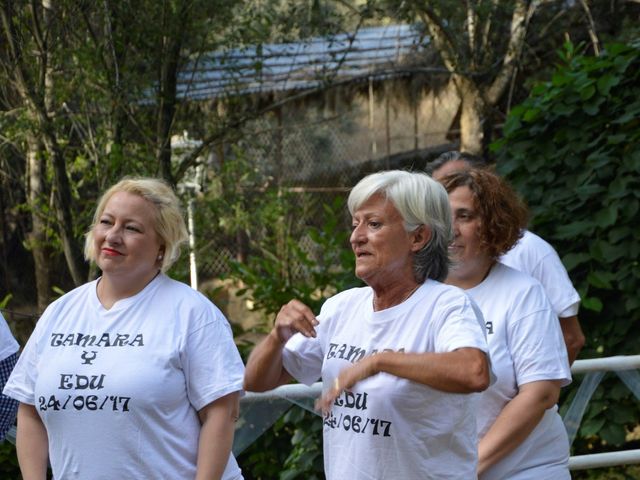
(421, 237)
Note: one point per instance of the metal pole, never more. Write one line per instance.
(192, 244)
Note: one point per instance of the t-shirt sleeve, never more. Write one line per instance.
(22, 382)
(554, 277)
(460, 325)
(536, 343)
(302, 357)
(8, 344)
(211, 362)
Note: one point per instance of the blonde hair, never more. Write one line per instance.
(168, 223)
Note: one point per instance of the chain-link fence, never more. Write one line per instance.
(286, 168)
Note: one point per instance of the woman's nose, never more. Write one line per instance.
(356, 235)
(114, 234)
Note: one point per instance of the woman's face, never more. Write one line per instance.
(382, 246)
(466, 247)
(125, 239)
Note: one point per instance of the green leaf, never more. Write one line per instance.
(607, 216)
(592, 427)
(574, 229)
(592, 303)
(587, 92)
(572, 260)
(606, 82)
(531, 114)
(600, 279)
(613, 434)
(616, 139)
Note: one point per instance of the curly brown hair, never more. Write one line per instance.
(503, 213)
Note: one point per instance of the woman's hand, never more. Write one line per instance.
(294, 317)
(264, 370)
(347, 378)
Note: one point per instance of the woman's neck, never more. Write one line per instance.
(470, 274)
(111, 290)
(384, 298)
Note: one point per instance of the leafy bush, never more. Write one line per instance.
(573, 150)
(8, 461)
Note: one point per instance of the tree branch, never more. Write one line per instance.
(440, 38)
(519, 21)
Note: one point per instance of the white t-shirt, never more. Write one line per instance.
(533, 255)
(8, 344)
(526, 345)
(388, 427)
(118, 390)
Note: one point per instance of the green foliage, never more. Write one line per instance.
(5, 301)
(8, 461)
(281, 268)
(573, 150)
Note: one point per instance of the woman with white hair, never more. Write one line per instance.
(397, 357)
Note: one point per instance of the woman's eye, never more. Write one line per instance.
(132, 228)
(104, 222)
(374, 224)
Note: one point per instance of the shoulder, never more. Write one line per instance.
(531, 246)
(530, 253)
(442, 301)
(77, 295)
(184, 293)
(510, 279)
(536, 242)
(514, 287)
(189, 304)
(444, 295)
(347, 297)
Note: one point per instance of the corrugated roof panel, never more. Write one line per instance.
(301, 65)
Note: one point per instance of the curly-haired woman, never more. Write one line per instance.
(521, 434)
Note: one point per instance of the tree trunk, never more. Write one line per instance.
(472, 115)
(62, 188)
(38, 105)
(37, 237)
(168, 91)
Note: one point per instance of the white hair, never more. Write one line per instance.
(420, 200)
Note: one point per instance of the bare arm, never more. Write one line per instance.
(464, 370)
(573, 337)
(32, 444)
(216, 436)
(264, 370)
(516, 421)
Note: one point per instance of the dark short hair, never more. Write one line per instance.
(502, 212)
(474, 161)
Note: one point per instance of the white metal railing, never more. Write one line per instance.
(261, 410)
(594, 369)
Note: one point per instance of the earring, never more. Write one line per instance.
(159, 257)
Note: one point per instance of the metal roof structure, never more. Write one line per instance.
(308, 64)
